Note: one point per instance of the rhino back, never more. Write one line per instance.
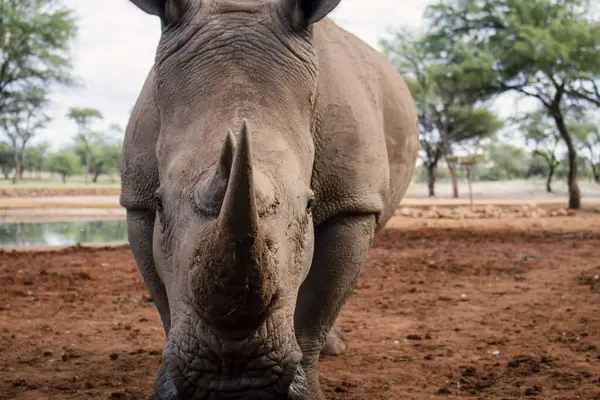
(366, 132)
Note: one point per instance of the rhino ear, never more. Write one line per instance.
(154, 7)
(306, 12)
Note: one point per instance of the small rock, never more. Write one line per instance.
(113, 356)
(444, 391)
(496, 352)
(534, 391)
(414, 337)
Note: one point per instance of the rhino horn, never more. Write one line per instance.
(226, 158)
(239, 215)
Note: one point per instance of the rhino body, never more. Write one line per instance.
(267, 148)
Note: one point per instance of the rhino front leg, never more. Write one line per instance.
(140, 228)
(341, 247)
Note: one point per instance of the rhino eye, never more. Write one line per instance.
(310, 205)
(157, 202)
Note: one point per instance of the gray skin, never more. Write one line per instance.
(267, 148)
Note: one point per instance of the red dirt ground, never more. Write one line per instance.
(472, 309)
(58, 191)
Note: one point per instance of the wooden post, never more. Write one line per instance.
(469, 162)
(470, 178)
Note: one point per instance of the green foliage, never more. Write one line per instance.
(105, 154)
(506, 161)
(21, 120)
(541, 134)
(36, 156)
(545, 49)
(84, 117)
(448, 116)
(66, 163)
(541, 48)
(24, 116)
(35, 36)
(562, 171)
(587, 136)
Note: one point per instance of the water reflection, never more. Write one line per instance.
(62, 233)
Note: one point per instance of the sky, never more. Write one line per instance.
(116, 45)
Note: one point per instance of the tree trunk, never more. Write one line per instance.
(596, 172)
(64, 178)
(574, 192)
(88, 165)
(452, 170)
(95, 177)
(549, 180)
(431, 180)
(17, 168)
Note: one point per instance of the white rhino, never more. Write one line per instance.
(267, 148)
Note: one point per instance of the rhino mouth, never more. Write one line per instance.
(203, 365)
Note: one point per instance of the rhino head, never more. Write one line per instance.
(235, 85)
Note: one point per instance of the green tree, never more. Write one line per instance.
(547, 50)
(105, 155)
(587, 136)
(447, 116)
(35, 39)
(84, 118)
(21, 120)
(65, 163)
(7, 159)
(507, 162)
(36, 157)
(541, 134)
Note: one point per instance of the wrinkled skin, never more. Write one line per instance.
(267, 148)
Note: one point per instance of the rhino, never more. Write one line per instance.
(266, 150)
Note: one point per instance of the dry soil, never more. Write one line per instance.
(495, 308)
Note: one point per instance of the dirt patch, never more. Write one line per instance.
(443, 310)
(485, 212)
(59, 191)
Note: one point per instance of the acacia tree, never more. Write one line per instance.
(446, 116)
(548, 50)
(7, 159)
(587, 134)
(542, 135)
(106, 155)
(84, 118)
(35, 157)
(35, 38)
(21, 120)
(65, 163)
